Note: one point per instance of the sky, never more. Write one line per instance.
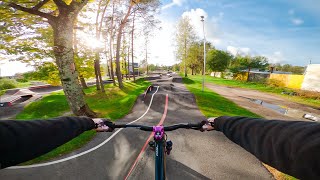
(285, 31)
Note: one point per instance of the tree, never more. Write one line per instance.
(248, 63)
(195, 57)
(61, 16)
(119, 35)
(218, 60)
(290, 68)
(185, 37)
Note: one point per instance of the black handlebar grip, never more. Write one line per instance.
(146, 128)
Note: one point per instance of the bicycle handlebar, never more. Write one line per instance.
(166, 128)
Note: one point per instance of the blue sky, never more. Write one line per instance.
(285, 31)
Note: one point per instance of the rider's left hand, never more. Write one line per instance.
(208, 125)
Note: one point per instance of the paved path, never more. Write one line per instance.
(195, 155)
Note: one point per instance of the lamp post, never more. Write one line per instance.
(204, 53)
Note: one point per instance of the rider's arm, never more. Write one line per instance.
(292, 147)
(24, 140)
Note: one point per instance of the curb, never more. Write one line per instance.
(4, 104)
(38, 87)
(148, 90)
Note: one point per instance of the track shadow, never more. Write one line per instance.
(177, 170)
(188, 81)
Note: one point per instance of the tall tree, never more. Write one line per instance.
(61, 16)
(185, 37)
(119, 35)
(132, 49)
(218, 60)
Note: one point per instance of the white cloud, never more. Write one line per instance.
(238, 50)
(173, 3)
(276, 57)
(211, 24)
(297, 21)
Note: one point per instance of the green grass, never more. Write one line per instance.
(23, 84)
(113, 104)
(260, 87)
(2, 92)
(212, 104)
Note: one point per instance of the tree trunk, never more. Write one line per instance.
(118, 70)
(249, 68)
(100, 77)
(111, 71)
(129, 62)
(122, 24)
(83, 82)
(64, 55)
(108, 68)
(185, 58)
(111, 49)
(192, 71)
(125, 67)
(147, 58)
(96, 74)
(132, 61)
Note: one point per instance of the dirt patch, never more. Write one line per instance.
(242, 98)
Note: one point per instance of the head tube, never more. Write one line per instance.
(158, 132)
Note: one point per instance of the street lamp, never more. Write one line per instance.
(204, 53)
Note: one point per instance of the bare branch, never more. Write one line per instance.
(60, 3)
(31, 11)
(40, 4)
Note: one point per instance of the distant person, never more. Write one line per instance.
(292, 147)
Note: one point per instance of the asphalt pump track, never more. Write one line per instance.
(195, 154)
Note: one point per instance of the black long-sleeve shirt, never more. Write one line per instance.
(292, 147)
(21, 141)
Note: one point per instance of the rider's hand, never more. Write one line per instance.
(102, 125)
(208, 125)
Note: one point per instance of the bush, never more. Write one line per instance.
(275, 83)
(308, 94)
(22, 80)
(7, 84)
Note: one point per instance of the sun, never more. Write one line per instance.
(90, 41)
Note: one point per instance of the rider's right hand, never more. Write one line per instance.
(103, 125)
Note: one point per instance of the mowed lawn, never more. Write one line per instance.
(212, 104)
(114, 104)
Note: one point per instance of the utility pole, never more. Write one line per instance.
(204, 53)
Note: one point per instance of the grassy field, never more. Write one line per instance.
(113, 104)
(212, 104)
(2, 92)
(259, 87)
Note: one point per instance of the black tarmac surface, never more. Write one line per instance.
(195, 155)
